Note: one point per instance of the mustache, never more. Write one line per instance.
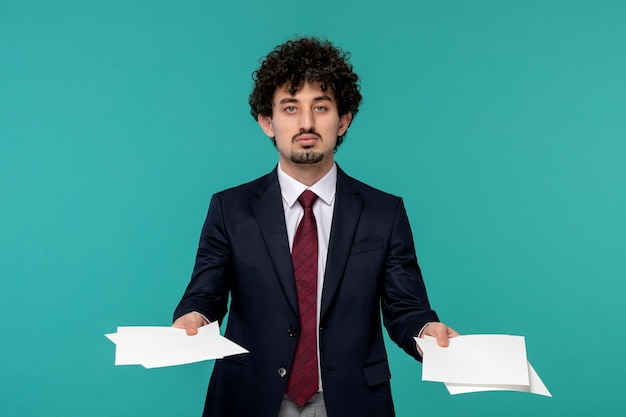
(305, 132)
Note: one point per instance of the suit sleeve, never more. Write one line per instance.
(405, 304)
(207, 292)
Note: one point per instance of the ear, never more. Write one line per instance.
(344, 123)
(266, 124)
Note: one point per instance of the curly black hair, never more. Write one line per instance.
(310, 60)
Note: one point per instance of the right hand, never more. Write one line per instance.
(190, 322)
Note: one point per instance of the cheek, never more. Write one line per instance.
(281, 128)
(282, 140)
(333, 130)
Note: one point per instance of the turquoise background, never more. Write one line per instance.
(501, 123)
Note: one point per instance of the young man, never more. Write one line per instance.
(309, 257)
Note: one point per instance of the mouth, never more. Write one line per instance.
(307, 139)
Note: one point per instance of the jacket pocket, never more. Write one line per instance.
(367, 246)
(377, 373)
(237, 360)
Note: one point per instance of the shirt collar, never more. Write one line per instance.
(291, 188)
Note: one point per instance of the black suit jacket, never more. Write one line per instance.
(244, 252)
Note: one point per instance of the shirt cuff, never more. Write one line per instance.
(421, 332)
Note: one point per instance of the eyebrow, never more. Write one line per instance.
(295, 100)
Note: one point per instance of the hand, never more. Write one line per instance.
(190, 322)
(439, 331)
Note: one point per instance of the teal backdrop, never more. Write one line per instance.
(501, 123)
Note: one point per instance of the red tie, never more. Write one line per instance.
(303, 378)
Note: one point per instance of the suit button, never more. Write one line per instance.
(292, 331)
(282, 372)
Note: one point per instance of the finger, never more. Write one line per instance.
(442, 339)
(442, 334)
(191, 324)
(187, 322)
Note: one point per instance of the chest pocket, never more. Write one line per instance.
(367, 246)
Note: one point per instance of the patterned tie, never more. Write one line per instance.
(303, 378)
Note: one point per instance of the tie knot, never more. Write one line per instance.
(307, 198)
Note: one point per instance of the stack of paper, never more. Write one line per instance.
(475, 363)
(155, 347)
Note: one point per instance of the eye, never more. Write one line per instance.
(290, 109)
(320, 109)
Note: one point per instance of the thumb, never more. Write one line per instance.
(186, 322)
(442, 339)
(191, 327)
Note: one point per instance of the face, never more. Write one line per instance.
(305, 126)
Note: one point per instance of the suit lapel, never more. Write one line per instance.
(348, 206)
(268, 209)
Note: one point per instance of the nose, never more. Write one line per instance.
(307, 121)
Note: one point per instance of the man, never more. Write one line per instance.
(309, 257)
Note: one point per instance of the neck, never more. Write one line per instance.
(307, 174)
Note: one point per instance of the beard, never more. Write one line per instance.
(306, 157)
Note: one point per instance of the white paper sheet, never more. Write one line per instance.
(536, 386)
(153, 346)
(473, 363)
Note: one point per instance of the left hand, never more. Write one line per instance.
(441, 332)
